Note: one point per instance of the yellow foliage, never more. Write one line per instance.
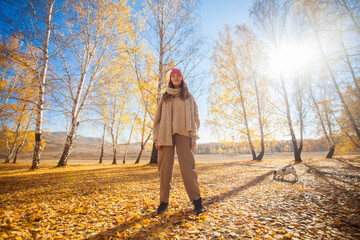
(120, 201)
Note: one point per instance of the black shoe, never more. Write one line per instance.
(162, 207)
(198, 207)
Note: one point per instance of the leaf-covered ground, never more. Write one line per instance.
(241, 198)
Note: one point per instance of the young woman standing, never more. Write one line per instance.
(176, 124)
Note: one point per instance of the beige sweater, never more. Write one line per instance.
(179, 117)
(183, 120)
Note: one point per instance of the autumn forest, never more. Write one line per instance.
(291, 72)
(286, 81)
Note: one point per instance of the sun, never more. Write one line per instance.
(291, 58)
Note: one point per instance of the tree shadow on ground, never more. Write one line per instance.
(178, 217)
(236, 190)
(216, 166)
(347, 162)
(252, 163)
(345, 189)
(325, 176)
(166, 219)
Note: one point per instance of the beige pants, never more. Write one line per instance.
(187, 168)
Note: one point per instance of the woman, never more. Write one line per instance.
(175, 125)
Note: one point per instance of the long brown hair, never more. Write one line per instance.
(184, 92)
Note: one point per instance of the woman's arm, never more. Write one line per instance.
(156, 123)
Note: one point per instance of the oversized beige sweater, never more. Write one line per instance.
(175, 116)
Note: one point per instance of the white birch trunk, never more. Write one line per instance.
(102, 145)
(74, 122)
(42, 82)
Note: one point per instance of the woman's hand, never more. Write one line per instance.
(193, 145)
(157, 147)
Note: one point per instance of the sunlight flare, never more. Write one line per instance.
(291, 58)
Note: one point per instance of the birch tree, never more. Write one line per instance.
(34, 20)
(101, 28)
(146, 87)
(271, 17)
(18, 71)
(172, 37)
(235, 100)
(118, 111)
(114, 102)
(102, 149)
(351, 9)
(42, 81)
(318, 16)
(348, 139)
(25, 138)
(323, 107)
(16, 133)
(142, 64)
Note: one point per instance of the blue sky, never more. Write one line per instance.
(214, 14)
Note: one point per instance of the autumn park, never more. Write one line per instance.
(277, 89)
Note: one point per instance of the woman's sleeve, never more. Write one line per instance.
(197, 119)
(156, 123)
(194, 134)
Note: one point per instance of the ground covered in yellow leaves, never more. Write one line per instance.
(241, 199)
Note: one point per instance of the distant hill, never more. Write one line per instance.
(88, 148)
(54, 139)
(84, 148)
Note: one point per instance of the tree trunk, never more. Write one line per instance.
(327, 136)
(331, 152)
(262, 151)
(125, 153)
(161, 33)
(23, 140)
(140, 153)
(12, 148)
(262, 145)
(131, 131)
(41, 96)
(142, 147)
(114, 152)
(17, 151)
(251, 146)
(17, 133)
(297, 155)
(154, 154)
(101, 154)
(68, 144)
(102, 145)
(297, 151)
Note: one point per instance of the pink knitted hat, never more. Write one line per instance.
(176, 70)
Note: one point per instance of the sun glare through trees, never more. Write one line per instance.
(291, 58)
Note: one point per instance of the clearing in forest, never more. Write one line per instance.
(241, 199)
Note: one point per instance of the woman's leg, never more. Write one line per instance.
(187, 166)
(165, 168)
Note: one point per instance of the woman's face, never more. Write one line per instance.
(176, 80)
